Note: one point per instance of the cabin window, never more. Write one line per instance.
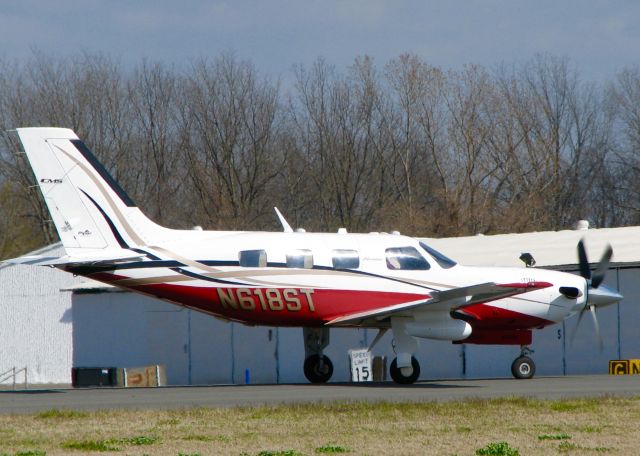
(442, 260)
(253, 259)
(405, 258)
(345, 259)
(300, 259)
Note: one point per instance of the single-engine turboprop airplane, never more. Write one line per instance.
(311, 280)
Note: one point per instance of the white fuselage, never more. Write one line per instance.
(203, 270)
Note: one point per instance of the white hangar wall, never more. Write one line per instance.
(36, 321)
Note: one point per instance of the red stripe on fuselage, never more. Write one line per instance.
(279, 306)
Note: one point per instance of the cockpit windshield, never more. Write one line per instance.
(443, 261)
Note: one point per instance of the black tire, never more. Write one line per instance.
(523, 368)
(314, 373)
(396, 373)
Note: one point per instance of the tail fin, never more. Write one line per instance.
(88, 207)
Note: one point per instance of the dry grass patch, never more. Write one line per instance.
(525, 426)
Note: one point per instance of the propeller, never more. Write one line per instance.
(597, 294)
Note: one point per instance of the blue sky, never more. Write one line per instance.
(599, 37)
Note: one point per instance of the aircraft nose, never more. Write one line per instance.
(603, 296)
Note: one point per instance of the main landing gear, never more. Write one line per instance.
(523, 367)
(398, 374)
(318, 368)
(404, 369)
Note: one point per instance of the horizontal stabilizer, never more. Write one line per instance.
(87, 257)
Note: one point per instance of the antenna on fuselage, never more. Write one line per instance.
(285, 225)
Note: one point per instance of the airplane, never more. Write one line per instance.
(316, 281)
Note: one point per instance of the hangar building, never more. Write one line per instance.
(52, 321)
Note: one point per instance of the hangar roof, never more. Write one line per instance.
(49, 250)
(554, 249)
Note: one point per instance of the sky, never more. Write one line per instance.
(599, 37)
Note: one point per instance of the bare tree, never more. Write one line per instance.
(335, 119)
(234, 123)
(154, 143)
(413, 126)
(624, 99)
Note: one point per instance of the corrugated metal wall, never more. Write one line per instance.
(36, 321)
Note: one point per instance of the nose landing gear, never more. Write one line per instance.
(523, 366)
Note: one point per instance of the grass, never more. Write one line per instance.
(139, 440)
(89, 445)
(561, 436)
(483, 427)
(497, 449)
(57, 414)
(331, 449)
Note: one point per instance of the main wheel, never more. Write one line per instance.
(316, 371)
(399, 377)
(523, 367)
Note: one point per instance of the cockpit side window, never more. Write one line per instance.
(345, 259)
(253, 258)
(300, 259)
(405, 258)
(444, 261)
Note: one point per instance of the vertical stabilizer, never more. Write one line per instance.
(88, 207)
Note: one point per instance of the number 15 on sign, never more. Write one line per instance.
(360, 365)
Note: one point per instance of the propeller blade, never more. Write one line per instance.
(585, 271)
(575, 331)
(597, 328)
(603, 266)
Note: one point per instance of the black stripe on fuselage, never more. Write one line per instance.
(195, 275)
(93, 161)
(114, 230)
(149, 255)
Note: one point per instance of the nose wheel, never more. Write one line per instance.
(523, 367)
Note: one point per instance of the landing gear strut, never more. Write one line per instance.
(404, 369)
(523, 367)
(318, 368)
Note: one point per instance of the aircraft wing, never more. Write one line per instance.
(445, 300)
(89, 258)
